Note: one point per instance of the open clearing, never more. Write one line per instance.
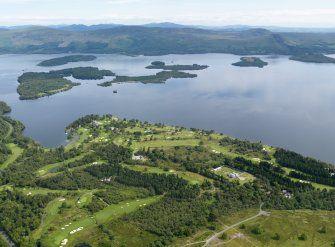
(86, 221)
(193, 178)
(16, 152)
(289, 225)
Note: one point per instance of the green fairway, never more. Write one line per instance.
(116, 210)
(16, 152)
(6, 187)
(10, 130)
(316, 185)
(39, 191)
(164, 143)
(49, 168)
(78, 139)
(89, 222)
(193, 178)
(51, 212)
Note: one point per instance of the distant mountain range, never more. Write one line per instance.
(162, 38)
(82, 27)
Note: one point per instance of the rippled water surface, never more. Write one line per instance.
(288, 104)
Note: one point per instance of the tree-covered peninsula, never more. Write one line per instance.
(312, 58)
(33, 85)
(38, 88)
(160, 77)
(4, 108)
(163, 66)
(66, 59)
(251, 62)
(132, 183)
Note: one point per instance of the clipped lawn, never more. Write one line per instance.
(193, 178)
(16, 152)
(89, 222)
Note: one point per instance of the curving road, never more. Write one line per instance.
(216, 235)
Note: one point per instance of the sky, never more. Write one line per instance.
(288, 13)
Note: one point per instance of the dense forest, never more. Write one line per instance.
(312, 58)
(4, 108)
(308, 168)
(250, 62)
(163, 66)
(33, 85)
(66, 59)
(160, 77)
(139, 40)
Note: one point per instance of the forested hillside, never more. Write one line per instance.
(137, 40)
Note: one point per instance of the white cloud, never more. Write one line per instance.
(211, 12)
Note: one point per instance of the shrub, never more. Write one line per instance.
(256, 230)
(322, 230)
(242, 226)
(303, 237)
(224, 236)
(276, 236)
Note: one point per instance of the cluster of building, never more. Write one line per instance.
(138, 157)
(232, 175)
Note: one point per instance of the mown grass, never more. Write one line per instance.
(16, 152)
(84, 219)
(78, 139)
(164, 143)
(193, 178)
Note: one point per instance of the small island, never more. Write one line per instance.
(162, 65)
(251, 62)
(39, 88)
(67, 59)
(160, 77)
(312, 58)
(34, 85)
(4, 108)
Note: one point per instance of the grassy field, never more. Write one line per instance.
(193, 178)
(16, 152)
(289, 225)
(77, 140)
(164, 143)
(51, 212)
(40, 191)
(82, 219)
